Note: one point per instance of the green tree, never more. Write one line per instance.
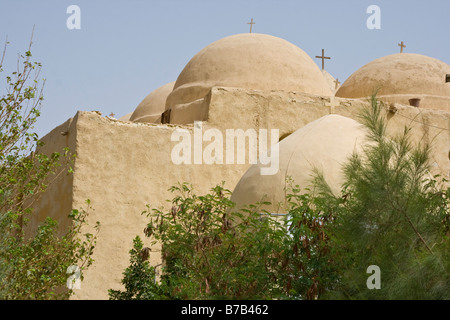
(32, 267)
(393, 214)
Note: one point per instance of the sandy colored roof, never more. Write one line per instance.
(399, 74)
(126, 117)
(251, 61)
(150, 109)
(324, 144)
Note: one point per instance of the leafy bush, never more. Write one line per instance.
(211, 251)
(37, 267)
(32, 267)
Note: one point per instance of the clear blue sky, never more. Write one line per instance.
(126, 49)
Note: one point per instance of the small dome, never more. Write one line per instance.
(401, 77)
(251, 61)
(126, 117)
(153, 105)
(324, 144)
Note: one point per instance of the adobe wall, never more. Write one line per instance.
(56, 201)
(289, 111)
(121, 167)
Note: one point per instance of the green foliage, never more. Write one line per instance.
(139, 278)
(311, 268)
(20, 107)
(38, 265)
(207, 252)
(32, 266)
(392, 213)
(211, 251)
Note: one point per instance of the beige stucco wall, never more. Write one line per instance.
(56, 202)
(122, 166)
(289, 111)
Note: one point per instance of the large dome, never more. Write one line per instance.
(324, 144)
(252, 61)
(153, 105)
(401, 77)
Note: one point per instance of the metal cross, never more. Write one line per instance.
(401, 45)
(323, 58)
(251, 23)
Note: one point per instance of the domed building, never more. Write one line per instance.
(323, 145)
(400, 78)
(250, 61)
(153, 105)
